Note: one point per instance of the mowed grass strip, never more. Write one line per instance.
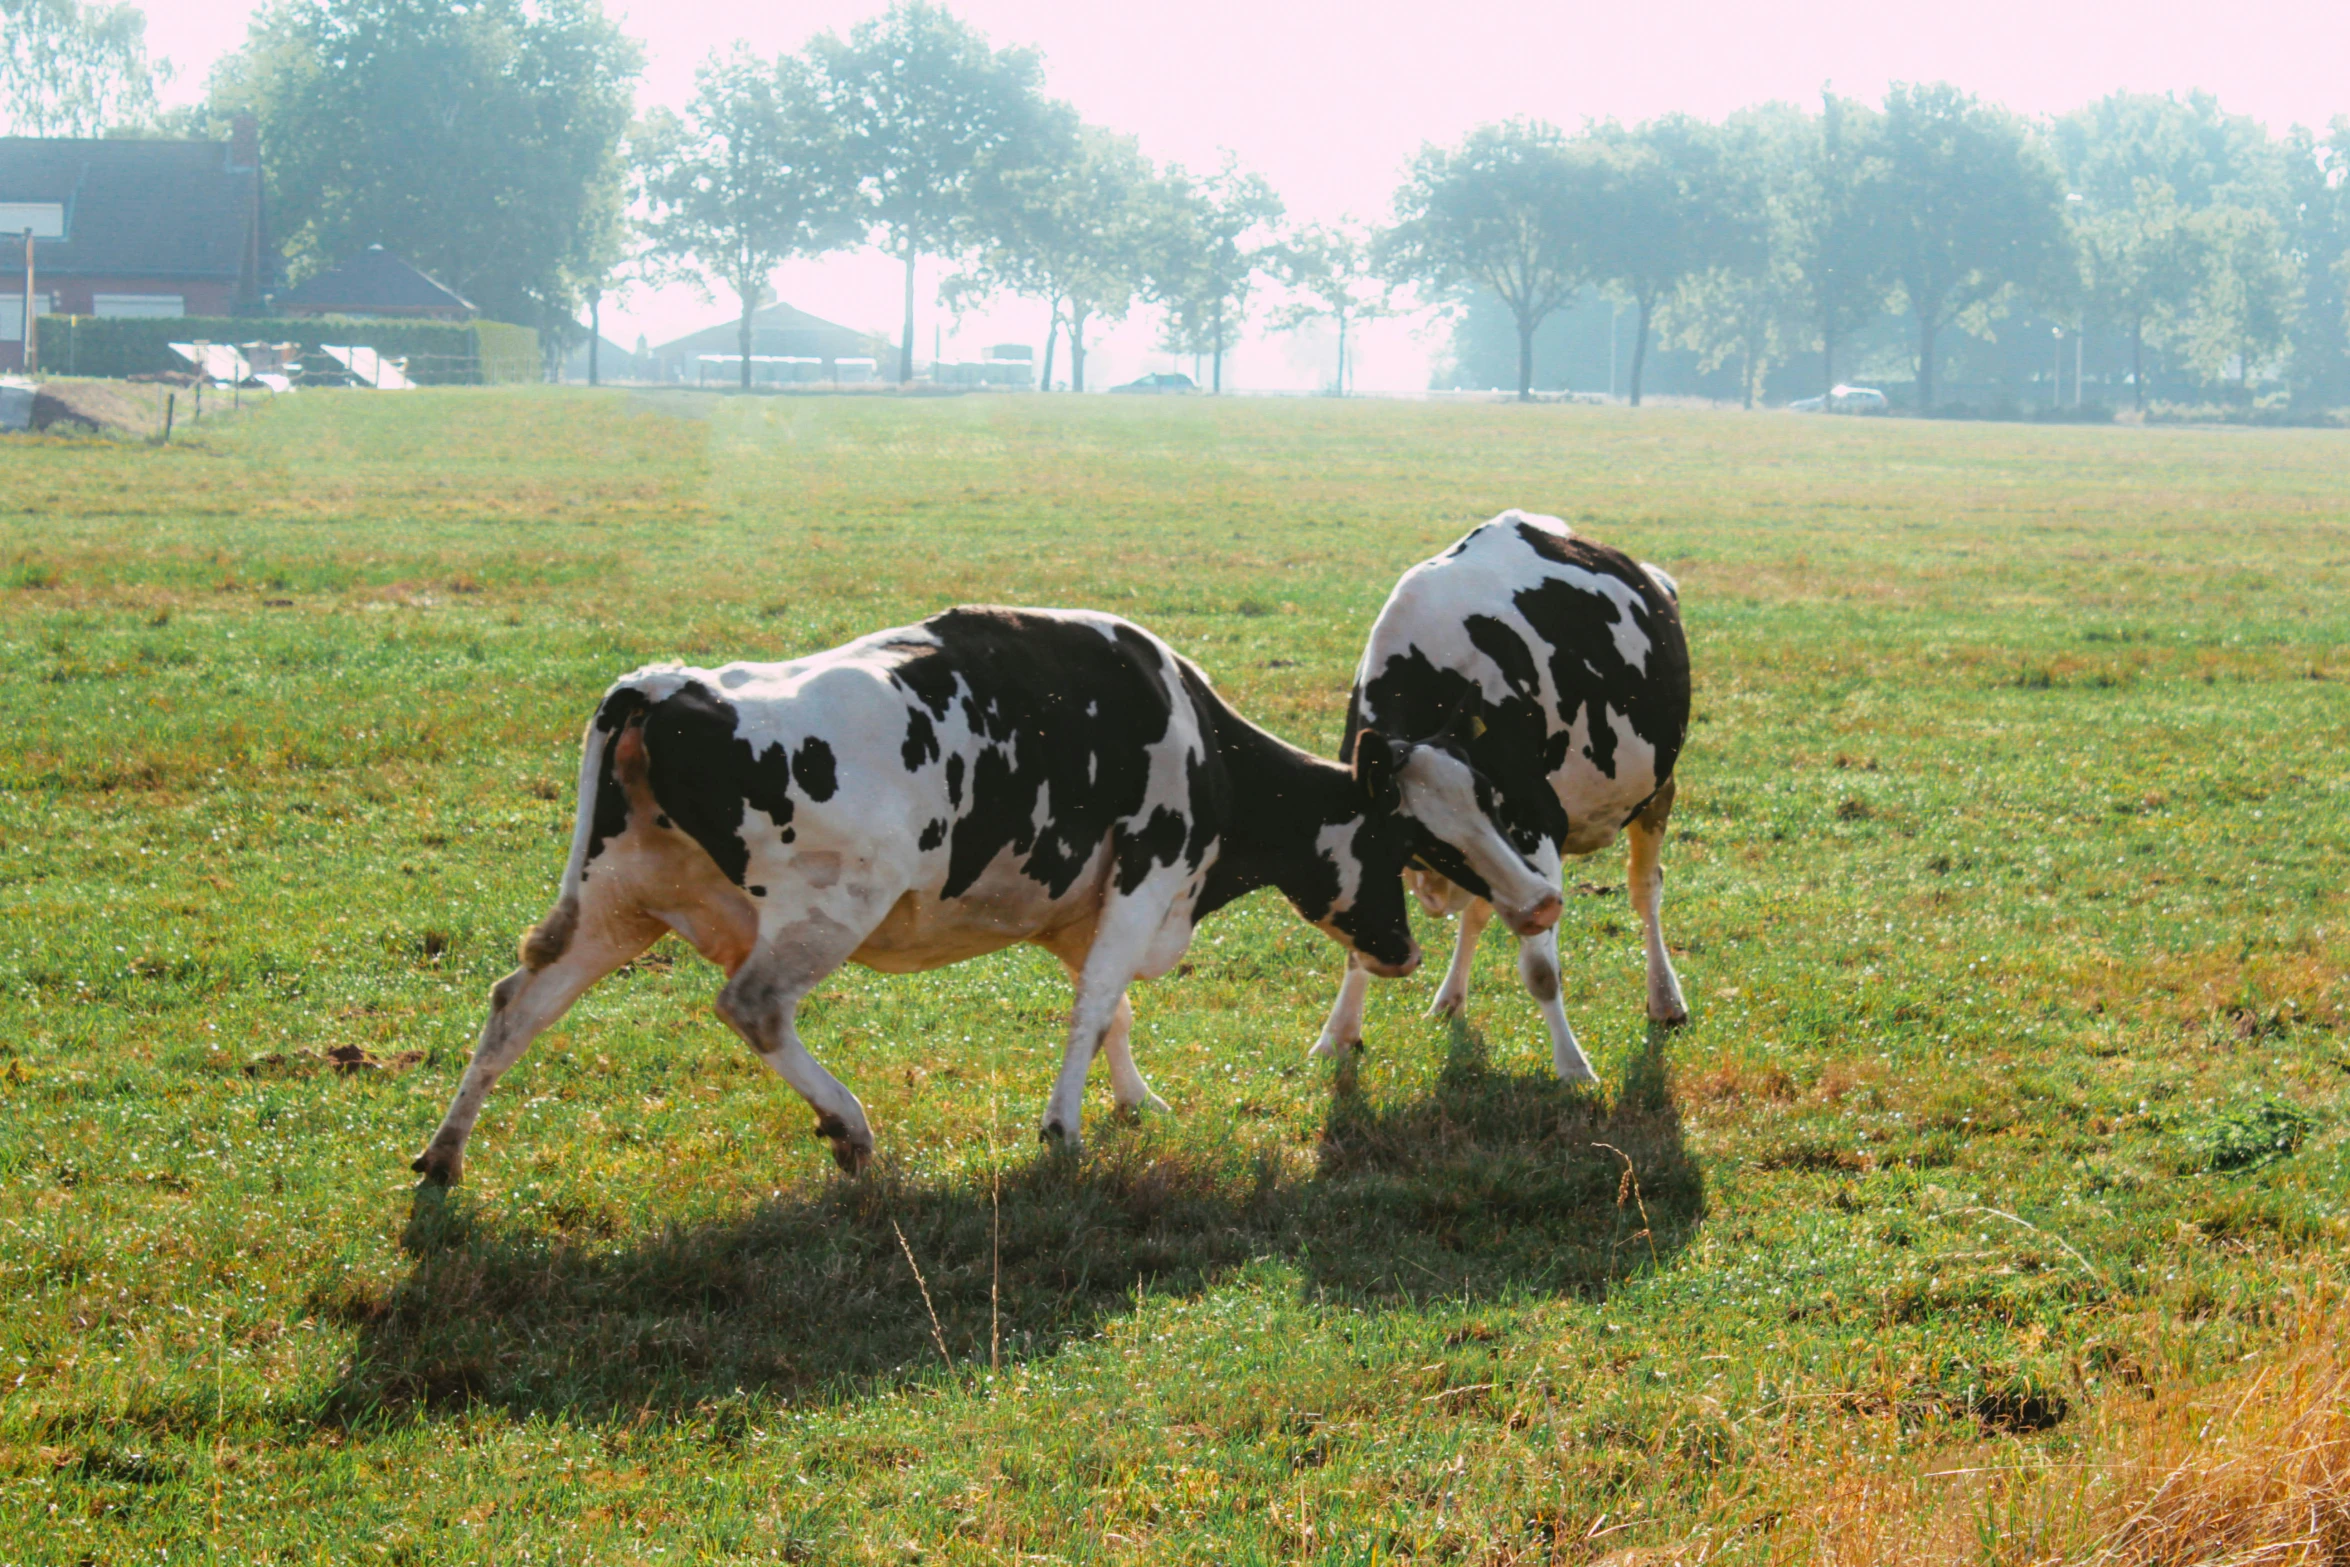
(2006, 1146)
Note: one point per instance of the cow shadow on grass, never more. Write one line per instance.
(1494, 1183)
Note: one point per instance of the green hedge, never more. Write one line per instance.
(439, 353)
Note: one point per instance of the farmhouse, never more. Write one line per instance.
(132, 228)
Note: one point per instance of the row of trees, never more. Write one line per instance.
(1782, 232)
(915, 136)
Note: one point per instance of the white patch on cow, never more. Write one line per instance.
(1337, 845)
(1440, 793)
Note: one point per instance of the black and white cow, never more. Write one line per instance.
(925, 795)
(1553, 678)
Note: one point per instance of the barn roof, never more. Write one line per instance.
(374, 282)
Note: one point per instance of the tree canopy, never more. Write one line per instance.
(480, 140)
(72, 68)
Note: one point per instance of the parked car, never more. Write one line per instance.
(1161, 384)
(1843, 400)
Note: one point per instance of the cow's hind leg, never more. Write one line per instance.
(761, 1003)
(564, 955)
(1123, 940)
(1646, 876)
(1452, 997)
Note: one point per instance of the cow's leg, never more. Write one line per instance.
(1343, 1031)
(1122, 940)
(525, 1003)
(762, 1001)
(1132, 1094)
(1452, 997)
(1646, 877)
(1538, 966)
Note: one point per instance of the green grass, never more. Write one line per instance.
(2007, 884)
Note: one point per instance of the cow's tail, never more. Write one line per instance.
(1663, 579)
(602, 812)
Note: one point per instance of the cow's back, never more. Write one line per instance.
(1560, 662)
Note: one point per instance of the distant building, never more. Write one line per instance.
(132, 228)
(374, 283)
(786, 345)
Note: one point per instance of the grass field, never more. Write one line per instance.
(2002, 1168)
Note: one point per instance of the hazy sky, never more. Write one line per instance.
(1328, 99)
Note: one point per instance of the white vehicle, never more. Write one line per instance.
(1843, 400)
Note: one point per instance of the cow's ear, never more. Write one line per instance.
(1378, 761)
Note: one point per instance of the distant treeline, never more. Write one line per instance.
(492, 142)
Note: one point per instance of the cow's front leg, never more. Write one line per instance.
(1128, 1089)
(1452, 997)
(1646, 876)
(761, 1003)
(1343, 1030)
(1122, 939)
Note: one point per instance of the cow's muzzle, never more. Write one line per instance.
(1387, 970)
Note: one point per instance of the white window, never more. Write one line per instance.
(45, 218)
(12, 314)
(138, 305)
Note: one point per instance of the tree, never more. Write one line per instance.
(1509, 210)
(481, 140)
(1748, 303)
(927, 111)
(749, 177)
(1331, 273)
(2204, 155)
(1073, 232)
(1665, 216)
(1969, 206)
(2138, 269)
(2247, 288)
(1839, 250)
(1217, 236)
(2318, 201)
(73, 69)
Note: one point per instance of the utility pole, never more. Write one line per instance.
(2078, 334)
(32, 329)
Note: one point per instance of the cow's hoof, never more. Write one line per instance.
(1058, 1140)
(1330, 1047)
(1149, 1104)
(440, 1166)
(1677, 1018)
(1447, 1004)
(852, 1157)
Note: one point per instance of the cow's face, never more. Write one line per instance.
(1452, 807)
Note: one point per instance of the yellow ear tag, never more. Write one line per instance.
(1476, 728)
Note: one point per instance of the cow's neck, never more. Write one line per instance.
(1282, 798)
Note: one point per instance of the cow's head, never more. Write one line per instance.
(1356, 896)
(1448, 810)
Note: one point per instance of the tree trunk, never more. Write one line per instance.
(1076, 349)
(1216, 360)
(1827, 360)
(1525, 359)
(1052, 340)
(1746, 376)
(2138, 363)
(1640, 347)
(1925, 364)
(742, 330)
(595, 330)
(906, 342)
(1342, 353)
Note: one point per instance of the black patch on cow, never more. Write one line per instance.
(933, 834)
(921, 747)
(1158, 842)
(813, 765)
(704, 776)
(756, 892)
(608, 811)
(1065, 717)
